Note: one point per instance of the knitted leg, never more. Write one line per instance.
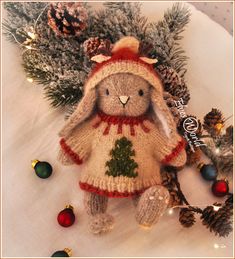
(96, 206)
(95, 203)
(152, 204)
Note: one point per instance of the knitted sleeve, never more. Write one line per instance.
(77, 147)
(169, 151)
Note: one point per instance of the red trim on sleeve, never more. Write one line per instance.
(114, 194)
(174, 153)
(75, 157)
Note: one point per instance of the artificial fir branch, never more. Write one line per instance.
(55, 57)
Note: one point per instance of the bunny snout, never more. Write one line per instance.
(124, 99)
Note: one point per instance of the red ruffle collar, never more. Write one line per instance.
(119, 121)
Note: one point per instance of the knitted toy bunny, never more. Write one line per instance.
(123, 132)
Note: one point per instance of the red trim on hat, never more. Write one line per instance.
(75, 157)
(121, 55)
(114, 194)
(174, 153)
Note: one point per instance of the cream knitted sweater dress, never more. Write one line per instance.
(121, 155)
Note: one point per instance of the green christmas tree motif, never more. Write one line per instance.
(121, 162)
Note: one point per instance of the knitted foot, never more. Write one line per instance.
(101, 223)
(152, 204)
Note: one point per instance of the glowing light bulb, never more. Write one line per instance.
(216, 246)
(170, 211)
(31, 35)
(217, 150)
(30, 79)
(216, 208)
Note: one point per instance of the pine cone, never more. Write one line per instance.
(173, 83)
(193, 157)
(168, 180)
(211, 120)
(174, 199)
(67, 19)
(169, 76)
(187, 218)
(219, 221)
(170, 101)
(94, 46)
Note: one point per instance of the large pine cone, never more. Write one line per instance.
(211, 120)
(219, 221)
(173, 83)
(94, 46)
(170, 101)
(187, 217)
(67, 19)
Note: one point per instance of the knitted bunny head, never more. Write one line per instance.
(123, 94)
(124, 84)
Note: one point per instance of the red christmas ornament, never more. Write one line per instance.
(220, 188)
(66, 217)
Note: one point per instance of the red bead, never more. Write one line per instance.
(66, 217)
(220, 188)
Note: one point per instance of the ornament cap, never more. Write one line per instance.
(68, 251)
(34, 162)
(200, 165)
(69, 207)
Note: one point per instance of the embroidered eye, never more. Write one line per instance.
(107, 92)
(141, 92)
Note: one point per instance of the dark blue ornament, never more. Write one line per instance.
(209, 172)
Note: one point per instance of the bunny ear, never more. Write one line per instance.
(163, 113)
(100, 58)
(82, 112)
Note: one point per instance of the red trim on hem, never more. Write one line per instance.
(115, 194)
(75, 157)
(175, 152)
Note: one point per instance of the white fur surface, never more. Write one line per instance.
(30, 205)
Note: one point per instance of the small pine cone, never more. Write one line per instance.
(219, 221)
(187, 218)
(94, 46)
(170, 101)
(168, 180)
(194, 122)
(67, 19)
(193, 157)
(211, 120)
(174, 199)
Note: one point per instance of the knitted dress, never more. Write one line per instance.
(122, 155)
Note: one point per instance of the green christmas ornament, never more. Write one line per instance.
(63, 253)
(42, 169)
(122, 162)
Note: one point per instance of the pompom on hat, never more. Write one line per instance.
(124, 59)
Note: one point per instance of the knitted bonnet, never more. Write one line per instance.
(125, 58)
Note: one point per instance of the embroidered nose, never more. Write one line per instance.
(124, 99)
